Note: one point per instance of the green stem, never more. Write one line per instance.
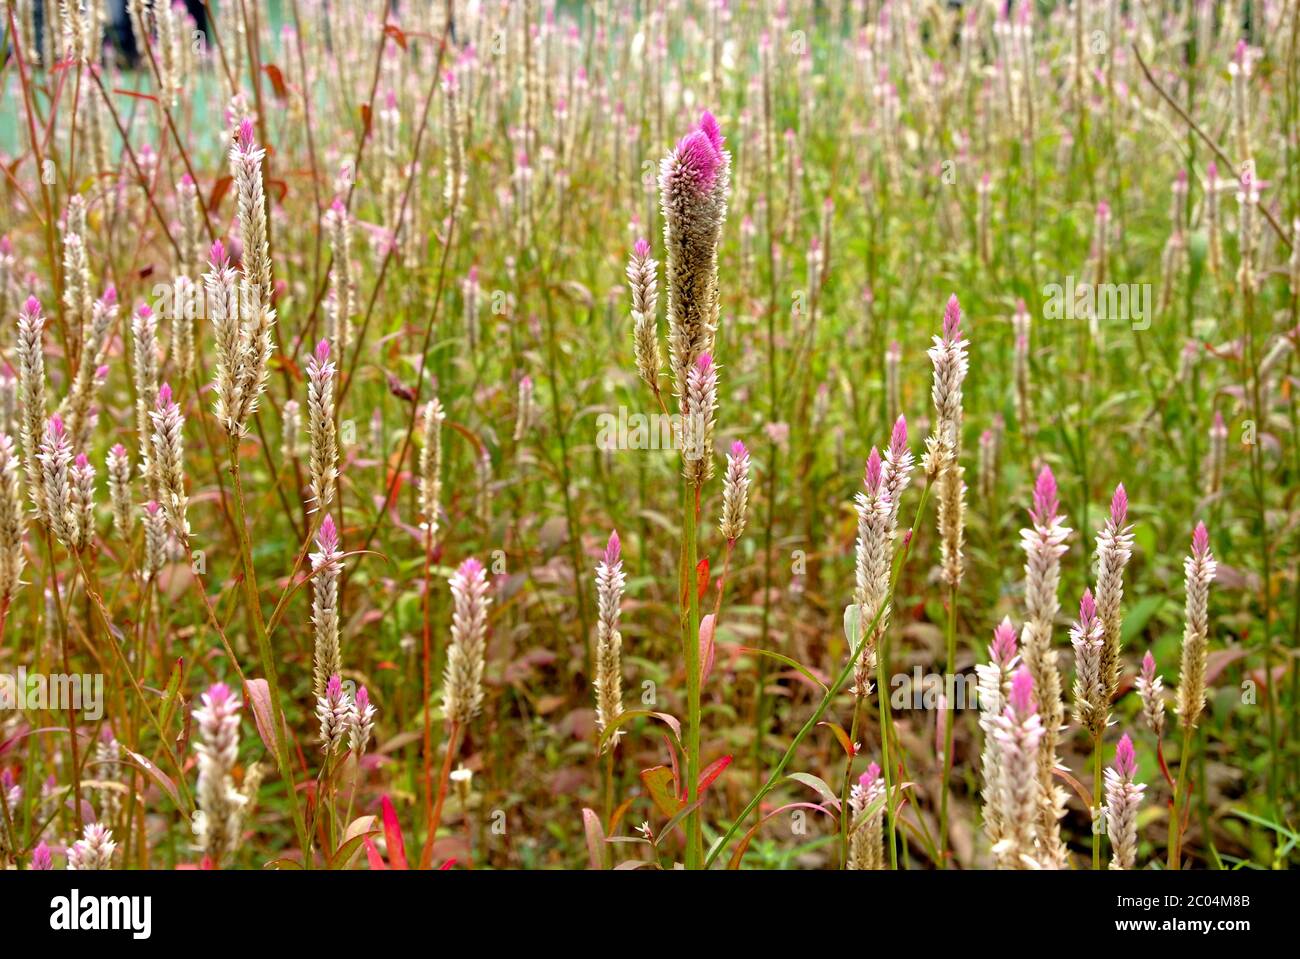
(1096, 800)
(691, 648)
(268, 658)
(951, 634)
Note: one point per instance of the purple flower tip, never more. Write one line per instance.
(144, 310)
(1087, 608)
(1125, 760)
(898, 439)
(952, 320)
(1212, 170)
(1103, 210)
(875, 471)
(738, 450)
(642, 248)
(110, 295)
(217, 255)
(56, 424)
(334, 688)
(218, 693)
(1200, 541)
(246, 133)
(1045, 502)
(152, 507)
(705, 363)
(470, 568)
(1004, 641)
(322, 352)
(119, 450)
(32, 306)
(328, 537)
(709, 127)
(187, 180)
(697, 154)
(363, 699)
(870, 776)
(1119, 506)
(81, 461)
(41, 858)
(613, 549)
(164, 396)
(1148, 666)
(338, 206)
(1022, 691)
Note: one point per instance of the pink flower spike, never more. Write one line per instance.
(1119, 506)
(119, 450)
(144, 310)
(870, 776)
(898, 439)
(1004, 642)
(1046, 505)
(470, 568)
(1022, 691)
(218, 693)
(875, 471)
(709, 126)
(152, 507)
(705, 363)
(323, 352)
(696, 154)
(1200, 541)
(1125, 759)
(82, 461)
(642, 248)
(1148, 667)
(363, 699)
(110, 295)
(952, 320)
(32, 306)
(739, 451)
(613, 549)
(334, 689)
(1103, 210)
(217, 255)
(1087, 608)
(328, 537)
(246, 134)
(56, 425)
(164, 396)
(41, 858)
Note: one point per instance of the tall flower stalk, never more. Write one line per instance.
(950, 361)
(1199, 570)
(694, 182)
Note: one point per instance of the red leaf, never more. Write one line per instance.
(702, 577)
(713, 771)
(365, 118)
(394, 31)
(136, 94)
(259, 698)
(277, 80)
(446, 866)
(706, 647)
(372, 853)
(219, 190)
(393, 835)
